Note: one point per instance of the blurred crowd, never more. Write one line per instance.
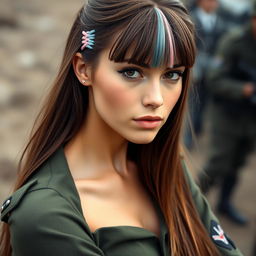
(224, 95)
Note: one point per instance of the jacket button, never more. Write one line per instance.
(6, 204)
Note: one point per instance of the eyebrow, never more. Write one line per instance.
(144, 65)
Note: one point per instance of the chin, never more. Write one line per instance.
(142, 139)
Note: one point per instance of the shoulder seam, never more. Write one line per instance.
(57, 192)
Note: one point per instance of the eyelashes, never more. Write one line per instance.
(133, 73)
(130, 73)
(174, 75)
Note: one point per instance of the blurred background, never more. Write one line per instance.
(32, 39)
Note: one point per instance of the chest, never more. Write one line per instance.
(117, 203)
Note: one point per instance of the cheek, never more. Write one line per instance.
(172, 97)
(111, 94)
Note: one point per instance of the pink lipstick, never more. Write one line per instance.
(148, 122)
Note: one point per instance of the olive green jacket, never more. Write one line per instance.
(46, 219)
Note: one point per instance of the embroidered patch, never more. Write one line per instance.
(219, 237)
(231, 242)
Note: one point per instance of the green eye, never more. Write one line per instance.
(130, 73)
(173, 75)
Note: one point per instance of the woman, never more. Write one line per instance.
(103, 173)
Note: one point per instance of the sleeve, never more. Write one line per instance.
(46, 224)
(221, 77)
(224, 244)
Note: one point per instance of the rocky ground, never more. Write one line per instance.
(32, 37)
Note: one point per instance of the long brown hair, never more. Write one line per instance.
(131, 22)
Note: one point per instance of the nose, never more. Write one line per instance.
(153, 95)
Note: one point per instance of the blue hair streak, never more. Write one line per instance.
(163, 30)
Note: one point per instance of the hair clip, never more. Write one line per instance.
(88, 39)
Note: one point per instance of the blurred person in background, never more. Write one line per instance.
(254, 247)
(102, 173)
(232, 115)
(235, 12)
(209, 29)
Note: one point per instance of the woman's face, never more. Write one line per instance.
(134, 101)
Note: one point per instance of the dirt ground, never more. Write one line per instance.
(32, 38)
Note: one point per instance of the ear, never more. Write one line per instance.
(82, 70)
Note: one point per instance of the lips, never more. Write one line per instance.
(148, 122)
(149, 118)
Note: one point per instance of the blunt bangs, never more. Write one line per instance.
(149, 40)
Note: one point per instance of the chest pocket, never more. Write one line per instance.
(13, 201)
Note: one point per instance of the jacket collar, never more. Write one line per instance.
(61, 179)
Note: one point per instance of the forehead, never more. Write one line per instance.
(105, 60)
(136, 43)
(129, 56)
(142, 45)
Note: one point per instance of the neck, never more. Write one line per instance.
(96, 150)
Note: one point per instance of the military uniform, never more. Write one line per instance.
(46, 218)
(231, 115)
(207, 38)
